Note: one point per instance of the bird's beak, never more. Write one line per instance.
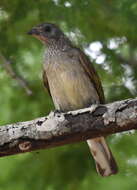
(34, 31)
(37, 34)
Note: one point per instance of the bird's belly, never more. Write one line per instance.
(71, 89)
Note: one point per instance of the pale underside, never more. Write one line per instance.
(70, 86)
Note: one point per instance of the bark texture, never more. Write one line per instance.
(63, 128)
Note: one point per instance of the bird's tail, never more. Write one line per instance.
(105, 162)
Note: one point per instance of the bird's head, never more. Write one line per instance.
(46, 32)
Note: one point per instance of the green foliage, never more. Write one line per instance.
(111, 23)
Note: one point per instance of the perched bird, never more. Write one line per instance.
(73, 83)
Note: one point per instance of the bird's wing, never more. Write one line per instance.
(90, 70)
(45, 81)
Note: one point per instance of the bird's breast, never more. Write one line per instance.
(70, 87)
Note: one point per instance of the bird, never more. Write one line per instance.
(73, 83)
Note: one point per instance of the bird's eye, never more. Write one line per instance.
(47, 29)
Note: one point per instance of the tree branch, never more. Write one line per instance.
(7, 65)
(64, 128)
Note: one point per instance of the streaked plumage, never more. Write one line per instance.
(73, 83)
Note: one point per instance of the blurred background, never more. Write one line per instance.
(107, 31)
